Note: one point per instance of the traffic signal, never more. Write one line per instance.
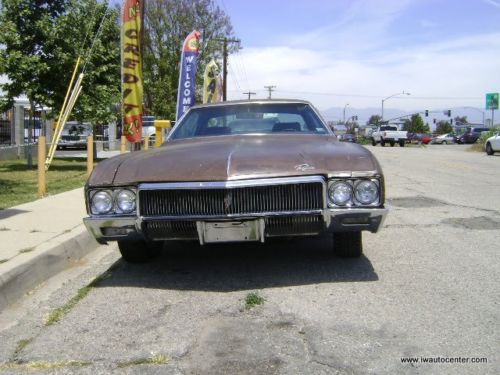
(426, 113)
(451, 121)
(434, 121)
(448, 112)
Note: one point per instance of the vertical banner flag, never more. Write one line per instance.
(187, 78)
(211, 85)
(132, 91)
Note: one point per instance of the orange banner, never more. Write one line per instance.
(132, 91)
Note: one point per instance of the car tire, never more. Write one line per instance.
(382, 143)
(489, 149)
(139, 251)
(392, 143)
(347, 244)
(402, 143)
(373, 142)
(444, 143)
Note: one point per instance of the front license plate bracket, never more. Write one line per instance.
(230, 231)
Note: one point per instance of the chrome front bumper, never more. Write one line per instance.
(106, 229)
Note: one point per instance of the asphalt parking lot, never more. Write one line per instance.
(424, 298)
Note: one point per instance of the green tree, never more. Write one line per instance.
(406, 124)
(41, 40)
(167, 24)
(461, 120)
(374, 119)
(443, 127)
(417, 125)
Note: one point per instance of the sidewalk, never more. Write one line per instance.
(38, 240)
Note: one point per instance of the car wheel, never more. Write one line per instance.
(382, 143)
(444, 143)
(489, 149)
(347, 244)
(139, 251)
(392, 144)
(402, 143)
(373, 142)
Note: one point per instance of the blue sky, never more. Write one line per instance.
(445, 53)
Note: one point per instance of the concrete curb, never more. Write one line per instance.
(24, 272)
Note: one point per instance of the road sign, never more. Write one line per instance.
(492, 100)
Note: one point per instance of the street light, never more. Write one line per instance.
(344, 111)
(393, 95)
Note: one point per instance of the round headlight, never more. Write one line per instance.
(366, 192)
(340, 193)
(102, 202)
(125, 201)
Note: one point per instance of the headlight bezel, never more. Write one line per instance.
(115, 207)
(354, 183)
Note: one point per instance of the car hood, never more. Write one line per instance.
(235, 157)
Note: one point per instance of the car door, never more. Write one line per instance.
(495, 142)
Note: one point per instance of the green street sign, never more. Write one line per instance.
(492, 100)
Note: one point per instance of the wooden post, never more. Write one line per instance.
(146, 142)
(90, 154)
(42, 186)
(123, 144)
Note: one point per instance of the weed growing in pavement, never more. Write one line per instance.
(158, 359)
(41, 365)
(253, 299)
(26, 250)
(4, 229)
(35, 231)
(21, 344)
(3, 260)
(57, 314)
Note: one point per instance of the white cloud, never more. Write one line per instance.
(456, 69)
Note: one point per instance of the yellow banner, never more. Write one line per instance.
(211, 86)
(132, 90)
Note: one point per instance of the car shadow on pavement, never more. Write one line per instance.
(234, 267)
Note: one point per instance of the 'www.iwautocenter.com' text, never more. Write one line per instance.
(415, 360)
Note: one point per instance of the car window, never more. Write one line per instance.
(250, 118)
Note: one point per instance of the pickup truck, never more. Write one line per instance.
(389, 134)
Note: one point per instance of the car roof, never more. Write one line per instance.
(253, 101)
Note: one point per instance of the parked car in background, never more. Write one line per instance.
(419, 138)
(492, 144)
(74, 135)
(444, 139)
(472, 135)
(348, 138)
(234, 172)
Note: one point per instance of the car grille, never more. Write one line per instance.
(162, 230)
(293, 197)
(290, 225)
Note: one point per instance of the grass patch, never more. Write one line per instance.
(158, 359)
(42, 365)
(253, 299)
(476, 147)
(26, 250)
(19, 184)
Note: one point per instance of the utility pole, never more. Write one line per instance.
(225, 42)
(249, 93)
(270, 89)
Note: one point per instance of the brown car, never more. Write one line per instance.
(238, 171)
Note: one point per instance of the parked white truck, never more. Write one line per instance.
(389, 134)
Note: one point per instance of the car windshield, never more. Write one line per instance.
(249, 118)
